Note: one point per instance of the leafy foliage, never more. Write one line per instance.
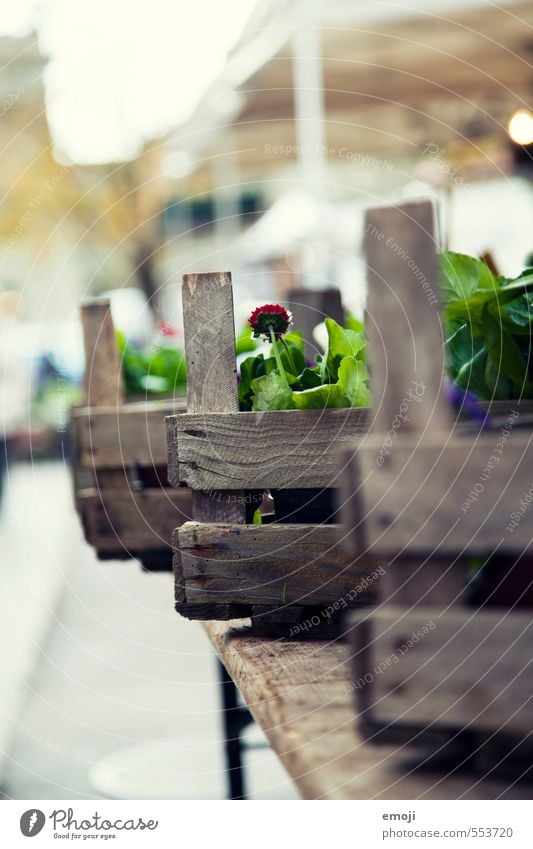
(340, 379)
(156, 371)
(489, 323)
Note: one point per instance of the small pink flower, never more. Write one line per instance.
(166, 329)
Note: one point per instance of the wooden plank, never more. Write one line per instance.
(129, 435)
(209, 333)
(403, 321)
(103, 373)
(454, 669)
(442, 498)
(282, 449)
(301, 696)
(273, 564)
(133, 521)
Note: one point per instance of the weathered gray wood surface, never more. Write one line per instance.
(129, 435)
(272, 564)
(301, 695)
(456, 668)
(209, 334)
(103, 374)
(133, 520)
(283, 449)
(426, 489)
(117, 447)
(437, 499)
(403, 320)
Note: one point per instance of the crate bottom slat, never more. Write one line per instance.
(276, 565)
(455, 679)
(126, 523)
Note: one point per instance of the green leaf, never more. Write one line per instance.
(466, 357)
(353, 323)
(320, 398)
(471, 376)
(517, 315)
(504, 352)
(250, 369)
(309, 378)
(461, 347)
(341, 343)
(271, 392)
(245, 341)
(293, 359)
(353, 377)
(462, 275)
(499, 387)
(471, 309)
(295, 337)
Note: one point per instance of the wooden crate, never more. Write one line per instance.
(290, 578)
(122, 495)
(432, 665)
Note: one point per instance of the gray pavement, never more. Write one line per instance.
(105, 690)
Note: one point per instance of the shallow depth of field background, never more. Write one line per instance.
(138, 142)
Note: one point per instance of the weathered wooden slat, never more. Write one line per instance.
(103, 374)
(441, 498)
(209, 333)
(455, 669)
(129, 435)
(273, 564)
(403, 320)
(301, 695)
(283, 449)
(129, 520)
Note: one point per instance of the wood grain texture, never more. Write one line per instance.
(129, 435)
(209, 334)
(103, 373)
(301, 696)
(460, 668)
(129, 520)
(282, 449)
(273, 564)
(442, 498)
(403, 318)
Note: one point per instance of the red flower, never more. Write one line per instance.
(270, 316)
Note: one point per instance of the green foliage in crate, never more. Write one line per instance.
(489, 322)
(158, 370)
(285, 381)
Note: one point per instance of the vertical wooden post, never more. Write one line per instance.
(403, 318)
(311, 306)
(406, 352)
(104, 385)
(103, 374)
(209, 334)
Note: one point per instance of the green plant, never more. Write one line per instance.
(160, 370)
(489, 324)
(284, 381)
